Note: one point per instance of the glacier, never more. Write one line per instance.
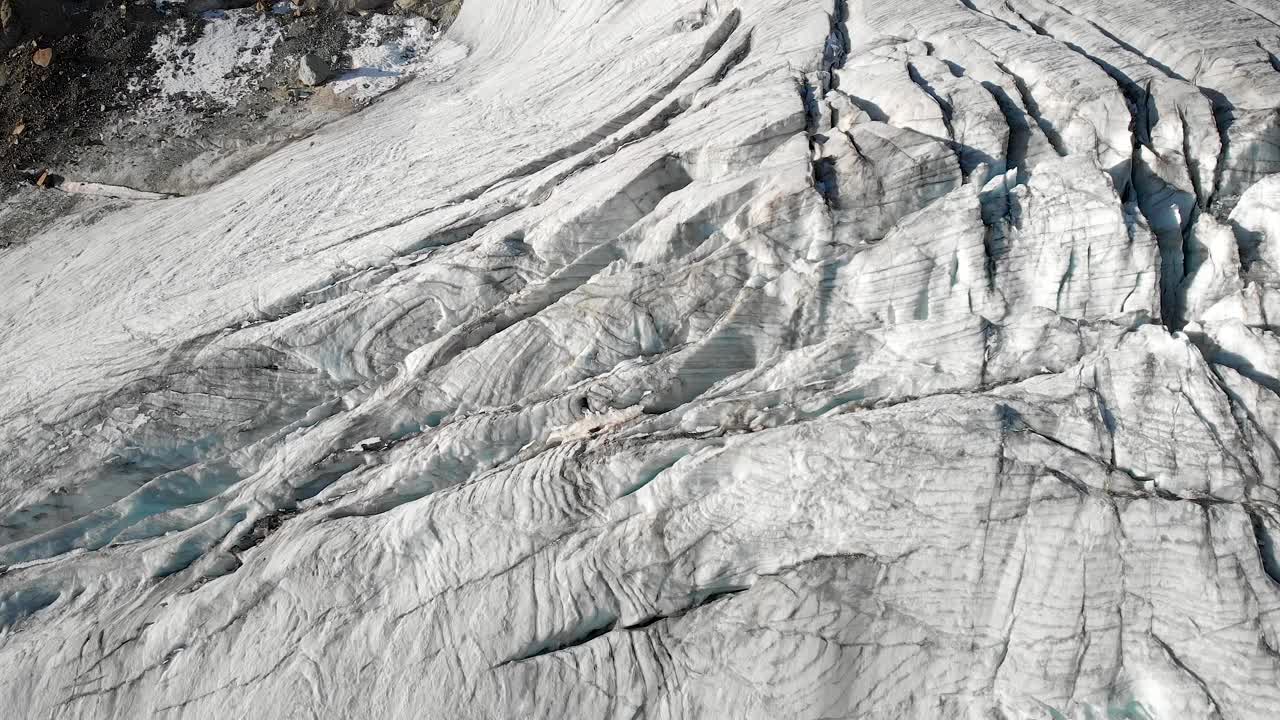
(680, 359)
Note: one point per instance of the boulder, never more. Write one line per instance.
(313, 70)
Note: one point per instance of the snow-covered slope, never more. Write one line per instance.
(658, 358)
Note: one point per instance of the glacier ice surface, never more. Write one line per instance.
(670, 358)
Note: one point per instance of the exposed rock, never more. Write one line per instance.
(751, 359)
(344, 5)
(10, 27)
(200, 6)
(23, 19)
(443, 12)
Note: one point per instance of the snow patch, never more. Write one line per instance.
(389, 49)
(222, 65)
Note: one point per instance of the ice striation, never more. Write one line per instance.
(674, 359)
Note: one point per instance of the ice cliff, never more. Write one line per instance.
(671, 359)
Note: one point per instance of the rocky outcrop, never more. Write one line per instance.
(10, 26)
(442, 12)
(747, 358)
(20, 19)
